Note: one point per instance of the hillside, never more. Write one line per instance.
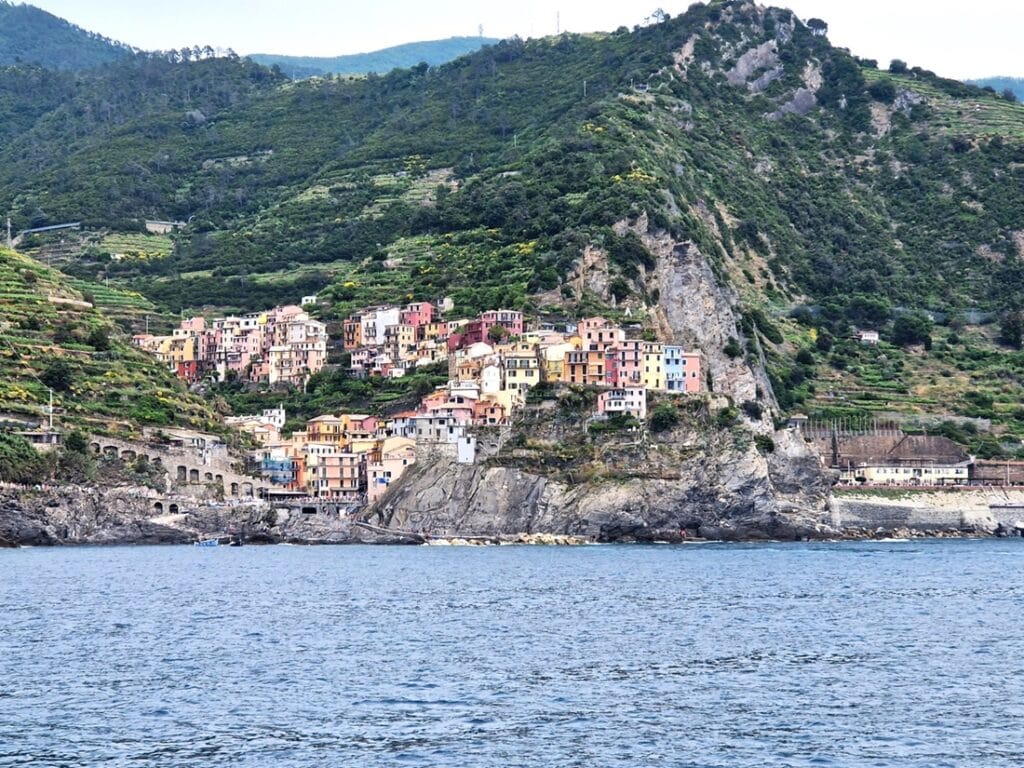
(55, 334)
(433, 52)
(29, 35)
(589, 173)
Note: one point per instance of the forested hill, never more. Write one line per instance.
(29, 35)
(432, 52)
(817, 186)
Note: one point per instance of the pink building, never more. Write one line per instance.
(418, 314)
(625, 366)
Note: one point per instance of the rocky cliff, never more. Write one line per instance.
(79, 515)
(722, 472)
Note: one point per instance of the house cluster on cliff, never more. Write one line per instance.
(494, 361)
(505, 357)
(283, 345)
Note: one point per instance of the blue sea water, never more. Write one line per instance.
(850, 654)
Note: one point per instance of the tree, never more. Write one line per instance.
(98, 340)
(1009, 95)
(664, 417)
(883, 90)
(913, 328)
(58, 375)
(497, 332)
(817, 27)
(76, 442)
(898, 67)
(1011, 328)
(20, 462)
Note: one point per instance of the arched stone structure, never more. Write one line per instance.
(158, 507)
(182, 467)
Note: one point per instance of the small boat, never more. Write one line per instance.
(207, 543)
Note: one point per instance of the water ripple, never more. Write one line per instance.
(752, 655)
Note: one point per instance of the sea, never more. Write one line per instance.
(892, 653)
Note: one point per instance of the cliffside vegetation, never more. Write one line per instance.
(830, 193)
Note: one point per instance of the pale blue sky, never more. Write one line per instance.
(955, 39)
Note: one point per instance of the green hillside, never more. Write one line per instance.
(30, 35)
(433, 52)
(54, 334)
(826, 193)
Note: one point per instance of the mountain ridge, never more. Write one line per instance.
(405, 55)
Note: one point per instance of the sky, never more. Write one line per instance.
(954, 39)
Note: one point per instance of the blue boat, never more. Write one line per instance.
(207, 543)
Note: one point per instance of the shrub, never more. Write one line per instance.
(76, 442)
(732, 348)
(883, 91)
(98, 340)
(764, 443)
(664, 417)
(58, 375)
(20, 462)
(753, 409)
(727, 416)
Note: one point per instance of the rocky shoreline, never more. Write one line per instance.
(69, 516)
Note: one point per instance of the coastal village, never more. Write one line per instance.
(493, 360)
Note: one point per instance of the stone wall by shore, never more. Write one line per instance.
(980, 510)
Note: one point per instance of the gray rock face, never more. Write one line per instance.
(724, 494)
(76, 515)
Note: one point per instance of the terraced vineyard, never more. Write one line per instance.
(133, 246)
(51, 338)
(966, 378)
(956, 116)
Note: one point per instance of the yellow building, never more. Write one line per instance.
(522, 370)
(653, 371)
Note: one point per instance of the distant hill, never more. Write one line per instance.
(29, 35)
(1000, 84)
(433, 52)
